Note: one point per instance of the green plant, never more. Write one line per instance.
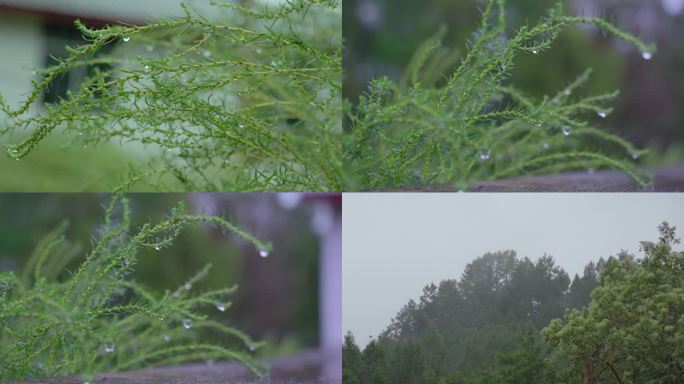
(97, 319)
(472, 126)
(248, 98)
(633, 329)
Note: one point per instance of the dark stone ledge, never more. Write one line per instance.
(305, 368)
(666, 179)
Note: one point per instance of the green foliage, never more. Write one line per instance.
(473, 126)
(633, 330)
(498, 324)
(244, 99)
(97, 319)
(481, 328)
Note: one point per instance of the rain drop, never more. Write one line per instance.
(566, 131)
(484, 156)
(221, 308)
(187, 324)
(126, 39)
(187, 286)
(109, 347)
(647, 55)
(602, 114)
(263, 253)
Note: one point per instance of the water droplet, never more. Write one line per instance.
(167, 338)
(188, 286)
(263, 253)
(567, 92)
(207, 54)
(602, 114)
(251, 347)
(546, 145)
(187, 324)
(635, 156)
(221, 308)
(147, 68)
(535, 51)
(109, 347)
(485, 155)
(647, 55)
(241, 126)
(126, 39)
(567, 131)
(157, 247)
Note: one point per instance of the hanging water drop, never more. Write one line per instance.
(602, 114)
(109, 347)
(126, 39)
(157, 247)
(566, 131)
(187, 324)
(485, 155)
(535, 51)
(188, 286)
(241, 126)
(647, 55)
(221, 308)
(263, 253)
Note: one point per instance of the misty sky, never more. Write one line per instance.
(395, 244)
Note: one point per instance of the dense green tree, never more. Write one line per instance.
(633, 330)
(351, 358)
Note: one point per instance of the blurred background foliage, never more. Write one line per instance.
(277, 298)
(382, 35)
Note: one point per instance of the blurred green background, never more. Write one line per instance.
(382, 35)
(277, 300)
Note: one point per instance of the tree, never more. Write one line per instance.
(351, 361)
(633, 329)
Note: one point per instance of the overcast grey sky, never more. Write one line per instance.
(395, 244)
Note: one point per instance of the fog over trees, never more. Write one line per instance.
(510, 319)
